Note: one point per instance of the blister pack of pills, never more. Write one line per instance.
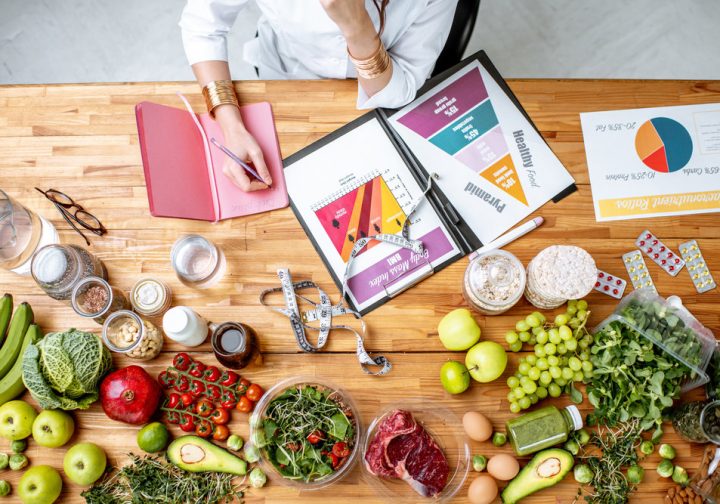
(670, 262)
(610, 284)
(636, 268)
(696, 266)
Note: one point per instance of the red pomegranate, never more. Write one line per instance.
(130, 395)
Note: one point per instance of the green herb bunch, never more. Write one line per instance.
(632, 378)
(607, 453)
(152, 479)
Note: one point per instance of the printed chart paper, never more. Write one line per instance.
(494, 166)
(358, 186)
(653, 162)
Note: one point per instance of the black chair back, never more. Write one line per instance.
(460, 32)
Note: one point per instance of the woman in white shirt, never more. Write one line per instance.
(390, 46)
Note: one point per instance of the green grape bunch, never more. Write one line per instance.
(561, 356)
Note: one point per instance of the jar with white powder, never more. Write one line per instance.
(559, 273)
(494, 282)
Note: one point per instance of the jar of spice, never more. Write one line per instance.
(542, 428)
(559, 273)
(58, 268)
(151, 297)
(94, 298)
(125, 332)
(494, 282)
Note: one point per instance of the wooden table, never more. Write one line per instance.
(82, 139)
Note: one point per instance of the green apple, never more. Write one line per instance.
(486, 361)
(39, 485)
(458, 330)
(454, 377)
(53, 428)
(84, 463)
(16, 419)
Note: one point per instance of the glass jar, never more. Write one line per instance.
(151, 297)
(234, 344)
(542, 428)
(125, 332)
(197, 261)
(94, 298)
(58, 268)
(494, 282)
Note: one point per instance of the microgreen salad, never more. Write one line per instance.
(307, 433)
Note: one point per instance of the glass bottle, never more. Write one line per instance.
(22, 232)
(542, 428)
(182, 325)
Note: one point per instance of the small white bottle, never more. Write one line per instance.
(183, 325)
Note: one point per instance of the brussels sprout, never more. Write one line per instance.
(479, 463)
(680, 475)
(499, 439)
(18, 461)
(665, 468)
(257, 478)
(647, 447)
(252, 454)
(583, 437)
(4, 459)
(4, 488)
(666, 451)
(572, 446)
(583, 474)
(235, 442)
(18, 446)
(635, 474)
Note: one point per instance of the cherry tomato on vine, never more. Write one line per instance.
(187, 423)
(173, 400)
(211, 374)
(229, 378)
(197, 388)
(204, 408)
(244, 405)
(204, 428)
(187, 399)
(220, 416)
(182, 361)
(196, 369)
(221, 433)
(254, 392)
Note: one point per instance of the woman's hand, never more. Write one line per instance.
(350, 15)
(241, 143)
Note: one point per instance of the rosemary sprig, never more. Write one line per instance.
(152, 479)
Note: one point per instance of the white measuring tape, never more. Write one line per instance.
(325, 310)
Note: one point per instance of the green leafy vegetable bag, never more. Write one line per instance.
(63, 370)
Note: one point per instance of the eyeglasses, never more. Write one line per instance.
(74, 213)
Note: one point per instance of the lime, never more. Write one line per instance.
(153, 437)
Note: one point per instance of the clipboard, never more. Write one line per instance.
(466, 127)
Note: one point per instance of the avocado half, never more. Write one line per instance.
(547, 468)
(195, 454)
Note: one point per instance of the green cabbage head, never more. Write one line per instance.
(63, 370)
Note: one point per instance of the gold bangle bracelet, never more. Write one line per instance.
(219, 92)
(374, 66)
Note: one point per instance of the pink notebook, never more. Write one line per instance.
(183, 170)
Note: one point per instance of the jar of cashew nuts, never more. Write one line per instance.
(125, 332)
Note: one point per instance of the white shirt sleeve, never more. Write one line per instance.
(205, 25)
(413, 56)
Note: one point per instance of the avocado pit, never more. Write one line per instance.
(549, 468)
(191, 453)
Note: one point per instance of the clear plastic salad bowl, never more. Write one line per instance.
(257, 435)
(447, 430)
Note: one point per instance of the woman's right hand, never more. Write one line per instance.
(241, 143)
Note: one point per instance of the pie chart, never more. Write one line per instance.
(663, 144)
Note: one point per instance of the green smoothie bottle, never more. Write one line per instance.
(542, 428)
